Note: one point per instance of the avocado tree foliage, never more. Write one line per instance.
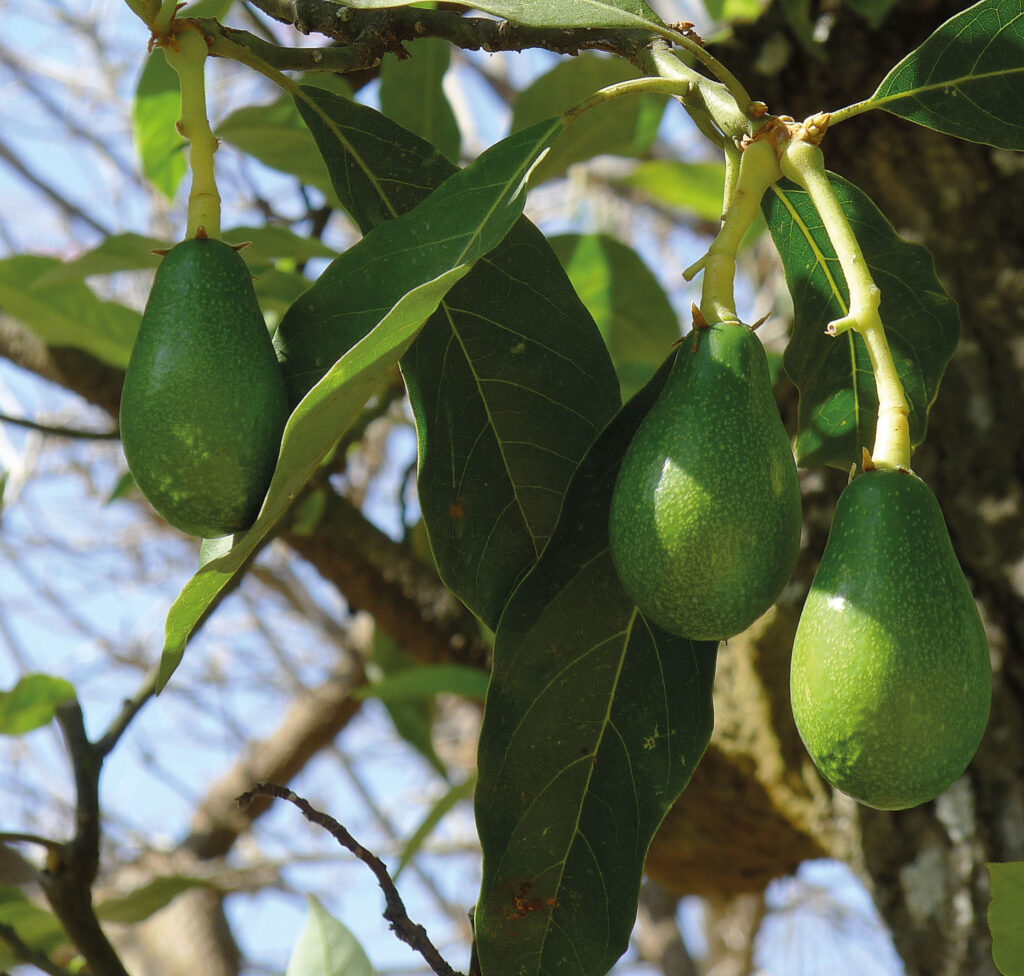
(595, 717)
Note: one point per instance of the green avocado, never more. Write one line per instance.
(203, 405)
(890, 679)
(704, 526)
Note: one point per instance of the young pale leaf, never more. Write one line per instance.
(734, 10)
(139, 904)
(623, 126)
(412, 95)
(838, 401)
(629, 305)
(1005, 914)
(551, 13)
(474, 210)
(32, 702)
(967, 78)
(156, 110)
(594, 722)
(325, 947)
(67, 313)
(510, 380)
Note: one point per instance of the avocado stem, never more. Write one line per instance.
(186, 52)
(804, 164)
(758, 169)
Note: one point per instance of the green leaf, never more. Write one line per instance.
(384, 288)
(424, 681)
(451, 799)
(695, 189)
(411, 94)
(622, 126)
(139, 904)
(838, 403)
(32, 702)
(36, 927)
(551, 13)
(732, 11)
(119, 252)
(1005, 913)
(154, 116)
(325, 947)
(629, 305)
(594, 722)
(66, 314)
(967, 78)
(510, 381)
(412, 715)
(798, 16)
(874, 12)
(269, 243)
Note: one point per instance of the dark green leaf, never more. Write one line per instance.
(425, 681)
(326, 947)
(594, 723)
(510, 380)
(156, 110)
(873, 11)
(139, 904)
(1005, 914)
(32, 702)
(630, 307)
(551, 13)
(454, 796)
(66, 314)
(389, 283)
(967, 78)
(797, 14)
(411, 94)
(695, 189)
(411, 715)
(623, 126)
(36, 927)
(838, 402)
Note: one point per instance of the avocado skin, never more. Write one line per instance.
(890, 678)
(203, 405)
(705, 519)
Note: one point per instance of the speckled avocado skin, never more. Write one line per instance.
(890, 678)
(203, 405)
(704, 526)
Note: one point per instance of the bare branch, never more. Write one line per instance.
(408, 931)
(56, 431)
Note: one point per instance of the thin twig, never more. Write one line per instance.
(94, 435)
(15, 837)
(26, 954)
(131, 707)
(408, 931)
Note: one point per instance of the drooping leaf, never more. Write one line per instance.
(594, 722)
(36, 927)
(451, 799)
(967, 78)
(156, 109)
(325, 947)
(411, 94)
(692, 188)
(1005, 915)
(556, 13)
(838, 402)
(137, 905)
(623, 126)
(67, 313)
(475, 209)
(510, 380)
(629, 305)
(32, 702)
(412, 715)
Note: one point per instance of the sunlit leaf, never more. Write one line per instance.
(36, 927)
(1006, 916)
(838, 401)
(32, 703)
(325, 947)
(967, 78)
(594, 722)
(156, 110)
(692, 188)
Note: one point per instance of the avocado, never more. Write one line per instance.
(890, 678)
(203, 406)
(704, 526)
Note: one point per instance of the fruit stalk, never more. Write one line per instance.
(186, 52)
(758, 170)
(804, 164)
